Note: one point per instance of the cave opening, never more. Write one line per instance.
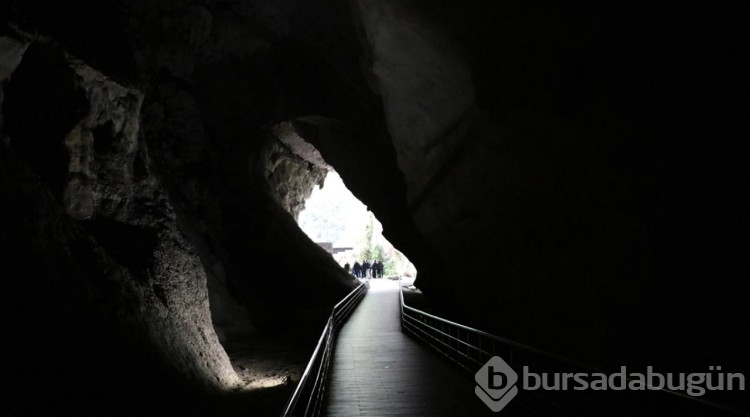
(342, 225)
(316, 196)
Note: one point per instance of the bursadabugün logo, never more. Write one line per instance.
(496, 382)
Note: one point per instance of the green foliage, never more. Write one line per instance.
(394, 262)
(368, 249)
(391, 264)
(377, 252)
(319, 220)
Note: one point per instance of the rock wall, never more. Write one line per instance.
(147, 188)
(293, 168)
(577, 164)
(106, 298)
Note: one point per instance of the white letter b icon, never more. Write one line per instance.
(496, 383)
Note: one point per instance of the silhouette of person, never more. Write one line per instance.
(357, 269)
(366, 267)
(346, 267)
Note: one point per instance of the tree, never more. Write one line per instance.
(367, 244)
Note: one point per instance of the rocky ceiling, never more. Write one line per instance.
(569, 176)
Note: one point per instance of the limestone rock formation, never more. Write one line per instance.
(93, 247)
(287, 156)
(136, 212)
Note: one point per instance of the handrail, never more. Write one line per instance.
(320, 361)
(471, 349)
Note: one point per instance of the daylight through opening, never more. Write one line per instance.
(342, 225)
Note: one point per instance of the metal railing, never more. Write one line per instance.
(471, 349)
(307, 399)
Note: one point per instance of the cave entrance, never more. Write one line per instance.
(325, 210)
(337, 221)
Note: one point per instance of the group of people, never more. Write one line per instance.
(366, 269)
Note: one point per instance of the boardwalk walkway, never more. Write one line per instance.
(380, 371)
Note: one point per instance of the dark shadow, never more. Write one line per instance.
(131, 246)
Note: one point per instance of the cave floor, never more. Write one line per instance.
(269, 367)
(263, 362)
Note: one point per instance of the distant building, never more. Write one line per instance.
(328, 246)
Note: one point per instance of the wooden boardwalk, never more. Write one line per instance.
(380, 371)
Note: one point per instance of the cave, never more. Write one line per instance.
(566, 176)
